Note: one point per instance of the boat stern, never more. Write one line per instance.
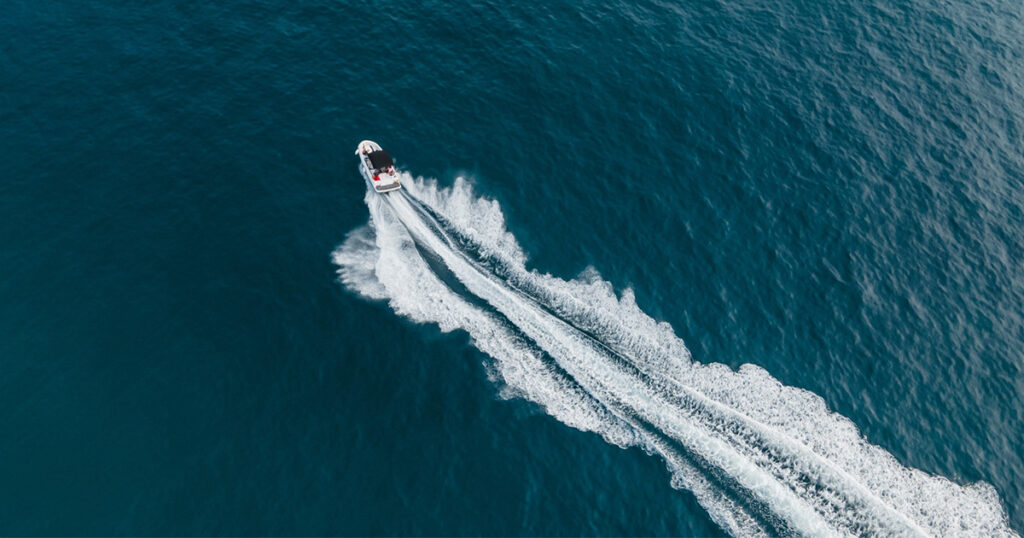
(386, 183)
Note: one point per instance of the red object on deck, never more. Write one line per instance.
(376, 178)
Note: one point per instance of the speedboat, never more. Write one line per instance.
(377, 167)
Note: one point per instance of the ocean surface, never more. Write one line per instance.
(712, 267)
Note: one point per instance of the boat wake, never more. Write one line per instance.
(761, 458)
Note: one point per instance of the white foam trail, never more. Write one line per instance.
(380, 261)
(760, 457)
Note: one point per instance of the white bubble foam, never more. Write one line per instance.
(400, 276)
(750, 449)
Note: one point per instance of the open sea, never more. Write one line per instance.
(661, 267)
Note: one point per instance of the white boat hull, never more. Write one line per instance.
(383, 179)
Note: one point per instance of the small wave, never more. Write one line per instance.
(762, 458)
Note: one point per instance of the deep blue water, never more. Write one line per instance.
(831, 191)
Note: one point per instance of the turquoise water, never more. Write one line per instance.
(712, 268)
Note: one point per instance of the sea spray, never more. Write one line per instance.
(760, 457)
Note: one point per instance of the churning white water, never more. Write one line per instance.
(761, 457)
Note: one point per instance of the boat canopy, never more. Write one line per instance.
(380, 160)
